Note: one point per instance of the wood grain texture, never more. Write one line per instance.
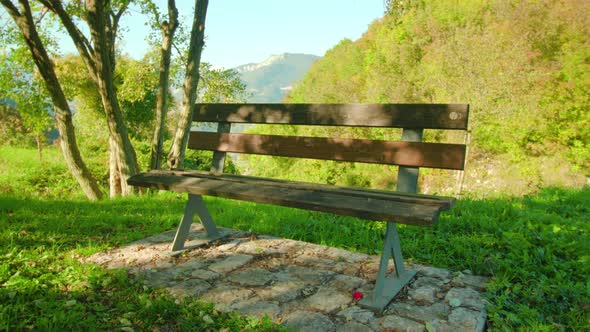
(342, 203)
(427, 116)
(411, 154)
(444, 203)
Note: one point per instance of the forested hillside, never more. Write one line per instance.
(523, 66)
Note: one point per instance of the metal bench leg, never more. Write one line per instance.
(387, 287)
(194, 205)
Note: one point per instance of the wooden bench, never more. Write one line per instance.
(401, 206)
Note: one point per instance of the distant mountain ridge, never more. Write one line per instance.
(270, 80)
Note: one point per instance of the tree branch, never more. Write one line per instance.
(173, 14)
(117, 16)
(44, 11)
(177, 50)
(11, 8)
(152, 7)
(82, 44)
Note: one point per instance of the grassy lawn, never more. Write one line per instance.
(536, 250)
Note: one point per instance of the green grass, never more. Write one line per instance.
(43, 286)
(536, 250)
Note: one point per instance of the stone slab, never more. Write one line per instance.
(230, 263)
(465, 297)
(252, 277)
(328, 299)
(309, 321)
(305, 287)
(257, 308)
(398, 323)
(358, 314)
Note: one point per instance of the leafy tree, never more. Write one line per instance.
(98, 53)
(136, 82)
(110, 88)
(30, 112)
(220, 85)
(12, 129)
(23, 18)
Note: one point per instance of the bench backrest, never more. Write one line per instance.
(410, 153)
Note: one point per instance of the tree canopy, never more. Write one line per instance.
(523, 66)
(100, 88)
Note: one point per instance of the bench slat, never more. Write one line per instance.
(444, 203)
(427, 116)
(317, 200)
(411, 154)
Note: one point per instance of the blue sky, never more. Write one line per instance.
(243, 31)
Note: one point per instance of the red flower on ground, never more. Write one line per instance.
(357, 296)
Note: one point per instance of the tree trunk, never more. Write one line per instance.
(39, 142)
(104, 62)
(168, 30)
(176, 155)
(114, 172)
(63, 114)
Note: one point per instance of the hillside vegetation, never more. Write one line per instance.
(523, 66)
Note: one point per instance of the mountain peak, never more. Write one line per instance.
(277, 58)
(270, 80)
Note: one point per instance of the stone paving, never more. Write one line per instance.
(304, 286)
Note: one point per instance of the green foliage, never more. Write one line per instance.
(12, 128)
(220, 85)
(136, 88)
(523, 67)
(22, 85)
(569, 101)
(26, 108)
(136, 82)
(534, 249)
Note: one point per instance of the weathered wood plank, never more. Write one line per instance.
(444, 203)
(361, 207)
(412, 154)
(427, 116)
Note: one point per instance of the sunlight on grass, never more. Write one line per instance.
(535, 249)
(45, 287)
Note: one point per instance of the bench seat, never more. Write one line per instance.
(369, 204)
